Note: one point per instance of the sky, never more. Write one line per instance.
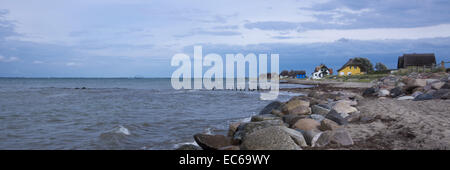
(112, 38)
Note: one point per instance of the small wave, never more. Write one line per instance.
(175, 146)
(123, 130)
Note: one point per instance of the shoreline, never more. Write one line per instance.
(347, 116)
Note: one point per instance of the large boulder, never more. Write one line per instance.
(247, 128)
(292, 119)
(328, 124)
(296, 106)
(270, 138)
(311, 136)
(296, 135)
(211, 142)
(343, 108)
(322, 139)
(306, 124)
(268, 109)
(413, 83)
(336, 117)
(446, 85)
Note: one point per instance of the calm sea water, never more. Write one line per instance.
(115, 113)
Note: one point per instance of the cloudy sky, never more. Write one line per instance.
(112, 38)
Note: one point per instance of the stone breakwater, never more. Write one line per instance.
(393, 114)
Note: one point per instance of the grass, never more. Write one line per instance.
(364, 78)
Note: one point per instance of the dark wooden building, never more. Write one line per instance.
(419, 60)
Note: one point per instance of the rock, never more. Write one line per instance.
(417, 93)
(369, 92)
(259, 118)
(328, 124)
(297, 136)
(354, 117)
(446, 85)
(437, 85)
(232, 128)
(406, 98)
(247, 128)
(423, 97)
(231, 147)
(442, 94)
(306, 124)
(270, 138)
(299, 106)
(396, 92)
(366, 119)
(383, 93)
(319, 110)
(343, 108)
(342, 137)
(323, 139)
(268, 109)
(211, 142)
(292, 119)
(301, 110)
(311, 136)
(188, 147)
(347, 102)
(431, 81)
(317, 117)
(336, 117)
(417, 83)
(277, 112)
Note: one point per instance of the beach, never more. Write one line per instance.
(396, 112)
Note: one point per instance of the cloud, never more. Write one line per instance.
(73, 64)
(8, 59)
(272, 25)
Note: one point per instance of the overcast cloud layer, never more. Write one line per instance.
(111, 38)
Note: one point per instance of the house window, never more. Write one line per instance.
(341, 73)
(349, 73)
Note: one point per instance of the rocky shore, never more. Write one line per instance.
(397, 112)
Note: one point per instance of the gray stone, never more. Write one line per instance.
(317, 117)
(188, 147)
(292, 119)
(354, 117)
(328, 124)
(342, 137)
(306, 124)
(369, 92)
(211, 142)
(417, 83)
(343, 108)
(417, 93)
(323, 139)
(437, 85)
(383, 93)
(296, 135)
(442, 94)
(247, 128)
(423, 97)
(336, 117)
(268, 109)
(318, 109)
(259, 118)
(310, 136)
(270, 138)
(396, 92)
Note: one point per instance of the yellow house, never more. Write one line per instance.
(350, 68)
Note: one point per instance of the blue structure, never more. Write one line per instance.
(300, 76)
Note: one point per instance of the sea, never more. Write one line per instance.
(116, 113)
